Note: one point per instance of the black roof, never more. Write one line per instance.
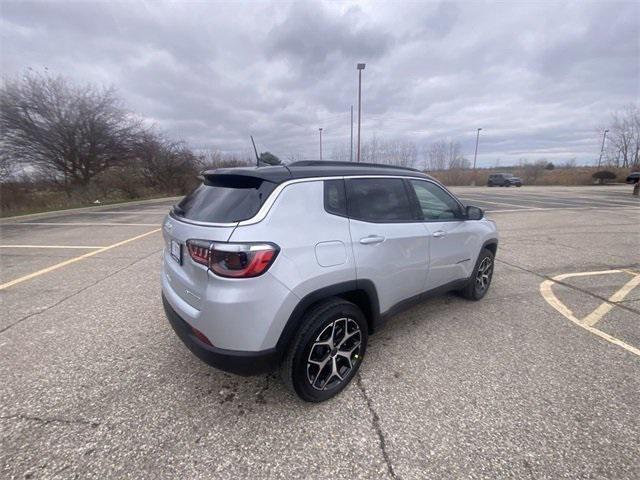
(310, 169)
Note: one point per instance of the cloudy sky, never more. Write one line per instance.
(540, 78)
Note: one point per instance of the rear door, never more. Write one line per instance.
(390, 244)
(452, 237)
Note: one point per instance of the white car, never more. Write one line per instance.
(294, 266)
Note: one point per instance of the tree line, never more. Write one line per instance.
(75, 135)
(623, 141)
(80, 138)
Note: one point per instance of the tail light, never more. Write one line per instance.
(234, 260)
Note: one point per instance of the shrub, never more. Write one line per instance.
(603, 175)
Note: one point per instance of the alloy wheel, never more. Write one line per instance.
(483, 277)
(334, 354)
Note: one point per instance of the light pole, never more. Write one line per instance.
(604, 137)
(320, 130)
(360, 69)
(475, 156)
(351, 144)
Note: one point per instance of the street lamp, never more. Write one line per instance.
(320, 130)
(360, 69)
(604, 137)
(475, 155)
(351, 142)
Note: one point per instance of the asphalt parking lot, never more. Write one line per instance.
(541, 379)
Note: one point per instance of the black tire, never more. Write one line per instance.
(475, 288)
(518, 184)
(490, 184)
(301, 369)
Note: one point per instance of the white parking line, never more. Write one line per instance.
(560, 203)
(544, 209)
(588, 322)
(494, 203)
(52, 246)
(128, 212)
(82, 224)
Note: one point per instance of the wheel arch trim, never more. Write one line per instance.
(362, 291)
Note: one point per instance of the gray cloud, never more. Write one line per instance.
(540, 78)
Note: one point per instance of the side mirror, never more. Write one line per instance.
(473, 213)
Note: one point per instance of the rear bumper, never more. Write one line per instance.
(232, 361)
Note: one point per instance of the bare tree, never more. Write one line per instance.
(341, 153)
(444, 154)
(170, 166)
(213, 158)
(75, 131)
(623, 146)
(436, 155)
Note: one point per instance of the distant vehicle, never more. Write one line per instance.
(503, 180)
(634, 177)
(294, 266)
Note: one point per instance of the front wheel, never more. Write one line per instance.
(480, 280)
(327, 351)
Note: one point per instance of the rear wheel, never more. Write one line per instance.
(327, 350)
(480, 280)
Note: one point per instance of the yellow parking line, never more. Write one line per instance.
(550, 297)
(73, 260)
(595, 316)
(51, 246)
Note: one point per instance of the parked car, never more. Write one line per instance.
(634, 177)
(503, 180)
(295, 266)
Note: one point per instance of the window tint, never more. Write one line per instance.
(379, 200)
(334, 197)
(225, 200)
(435, 203)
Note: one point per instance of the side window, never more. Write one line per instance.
(435, 203)
(380, 200)
(335, 201)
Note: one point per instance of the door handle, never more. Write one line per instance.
(371, 239)
(439, 233)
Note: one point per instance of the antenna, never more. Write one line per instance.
(255, 150)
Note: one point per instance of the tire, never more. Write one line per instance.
(315, 368)
(477, 287)
(490, 184)
(518, 184)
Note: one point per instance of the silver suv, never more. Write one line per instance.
(295, 266)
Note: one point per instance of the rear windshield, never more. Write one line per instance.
(225, 199)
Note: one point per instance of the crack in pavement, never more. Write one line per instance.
(26, 317)
(573, 287)
(377, 427)
(47, 421)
